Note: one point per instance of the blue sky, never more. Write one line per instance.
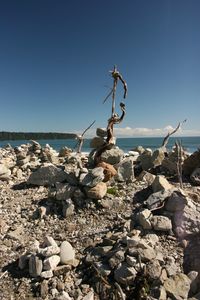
(55, 57)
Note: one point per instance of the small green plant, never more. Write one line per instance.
(112, 191)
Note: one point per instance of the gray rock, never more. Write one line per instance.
(195, 176)
(64, 191)
(153, 269)
(144, 218)
(68, 208)
(51, 262)
(170, 266)
(49, 251)
(146, 254)
(35, 266)
(49, 241)
(146, 177)
(125, 274)
(176, 201)
(157, 157)
(177, 286)
(116, 259)
(97, 142)
(101, 132)
(47, 175)
(67, 253)
(187, 221)
(125, 170)
(160, 183)
(161, 223)
(157, 199)
(93, 177)
(46, 274)
(112, 156)
(145, 160)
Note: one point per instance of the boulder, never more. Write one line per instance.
(144, 218)
(195, 176)
(157, 157)
(160, 183)
(176, 201)
(97, 192)
(125, 170)
(47, 175)
(64, 191)
(145, 159)
(177, 286)
(112, 156)
(125, 274)
(161, 223)
(93, 177)
(191, 163)
(146, 177)
(156, 199)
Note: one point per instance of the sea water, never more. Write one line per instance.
(191, 144)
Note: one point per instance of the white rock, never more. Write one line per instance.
(49, 251)
(67, 253)
(51, 262)
(49, 241)
(47, 274)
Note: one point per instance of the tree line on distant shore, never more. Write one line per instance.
(5, 135)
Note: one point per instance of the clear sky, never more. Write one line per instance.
(55, 57)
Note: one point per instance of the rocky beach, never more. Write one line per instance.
(124, 227)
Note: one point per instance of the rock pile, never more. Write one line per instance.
(130, 224)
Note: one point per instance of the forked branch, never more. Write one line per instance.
(166, 139)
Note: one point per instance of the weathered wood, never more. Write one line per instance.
(166, 139)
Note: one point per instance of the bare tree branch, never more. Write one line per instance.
(166, 139)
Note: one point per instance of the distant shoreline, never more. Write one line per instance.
(15, 136)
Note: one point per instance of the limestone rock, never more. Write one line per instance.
(35, 266)
(67, 253)
(144, 218)
(49, 251)
(47, 175)
(4, 173)
(93, 177)
(177, 286)
(51, 262)
(161, 223)
(98, 191)
(160, 183)
(195, 176)
(125, 274)
(176, 201)
(112, 156)
(125, 170)
(157, 157)
(146, 177)
(157, 199)
(153, 269)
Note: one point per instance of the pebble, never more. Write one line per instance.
(67, 253)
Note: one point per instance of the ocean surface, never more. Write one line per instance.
(191, 144)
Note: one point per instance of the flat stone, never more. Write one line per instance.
(47, 175)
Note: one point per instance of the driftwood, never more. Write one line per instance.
(166, 139)
(115, 118)
(110, 134)
(179, 163)
(80, 138)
